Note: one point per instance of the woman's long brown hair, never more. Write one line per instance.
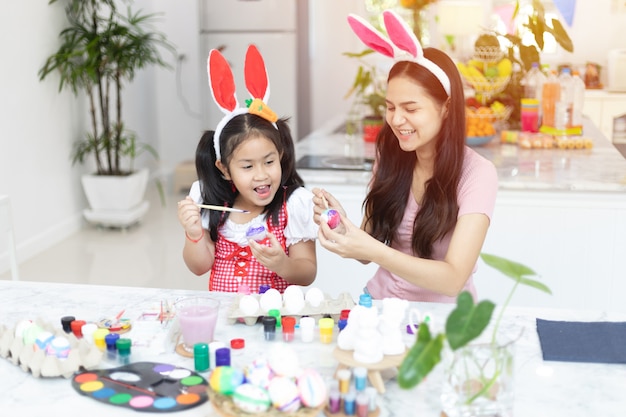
(387, 198)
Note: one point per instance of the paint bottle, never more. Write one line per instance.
(66, 323)
(213, 348)
(307, 329)
(201, 357)
(237, 347)
(289, 326)
(263, 288)
(123, 350)
(222, 357)
(326, 325)
(372, 394)
(349, 400)
(365, 300)
(275, 313)
(76, 327)
(360, 377)
(269, 327)
(98, 338)
(362, 404)
(110, 341)
(88, 330)
(334, 401)
(344, 375)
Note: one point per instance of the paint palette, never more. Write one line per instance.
(144, 386)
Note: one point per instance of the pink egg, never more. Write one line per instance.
(331, 217)
(312, 389)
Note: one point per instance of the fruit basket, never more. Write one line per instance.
(483, 123)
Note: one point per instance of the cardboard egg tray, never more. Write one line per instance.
(82, 354)
(329, 307)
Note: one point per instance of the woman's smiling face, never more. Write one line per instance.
(413, 115)
(255, 170)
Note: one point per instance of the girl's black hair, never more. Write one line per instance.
(217, 190)
(387, 198)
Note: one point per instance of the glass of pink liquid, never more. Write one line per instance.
(197, 317)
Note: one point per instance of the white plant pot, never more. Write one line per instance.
(116, 200)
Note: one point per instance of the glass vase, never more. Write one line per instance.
(478, 381)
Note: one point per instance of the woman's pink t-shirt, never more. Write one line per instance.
(476, 194)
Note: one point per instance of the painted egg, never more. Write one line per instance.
(271, 299)
(259, 373)
(284, 394)
(251, 398)
(249, 305)
(224, 379)
(314, 296)
(30, 334)
(311, 388)
(21, 327)
(331, 217)
(256, 232)
(283, 360)
(43, 340)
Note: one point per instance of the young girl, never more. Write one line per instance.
(248, 164)
(431, 197)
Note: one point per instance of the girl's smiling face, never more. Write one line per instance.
(254, 168)
(413, 115)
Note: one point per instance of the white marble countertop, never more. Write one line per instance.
(600, 169)
(551, 389)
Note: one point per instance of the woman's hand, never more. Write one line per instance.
(322, 201)
(189, 218)
(347, 240)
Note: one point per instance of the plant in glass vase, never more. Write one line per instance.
(368, 90)
(417, 19)
(478, 377)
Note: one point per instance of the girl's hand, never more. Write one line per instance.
(189, 217)
(323, 200)
(271, 257)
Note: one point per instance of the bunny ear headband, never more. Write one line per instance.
(402, 45)
(222, 85)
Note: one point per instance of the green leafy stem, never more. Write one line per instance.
(465, 323)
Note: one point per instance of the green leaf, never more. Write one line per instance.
(514, 270)
(561, 36)
(468, 320)
(423, 356)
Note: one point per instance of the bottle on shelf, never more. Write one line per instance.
(533, 90)
(551, 93)
(578, 101)
(564, 106)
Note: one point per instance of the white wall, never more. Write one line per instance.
(40, 125)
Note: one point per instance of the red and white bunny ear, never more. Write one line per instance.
(255, 74)
(401, 34)
(370, 36)
(221, 82)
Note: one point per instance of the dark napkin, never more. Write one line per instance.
(597, 342)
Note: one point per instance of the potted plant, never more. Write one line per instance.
(478, 377)
(100, 50)
(369, 96)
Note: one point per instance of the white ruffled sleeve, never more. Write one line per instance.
(300, 224)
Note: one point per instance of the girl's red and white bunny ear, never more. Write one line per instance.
(401, 34)
(221, 82)
(370, 36)
(255, 74)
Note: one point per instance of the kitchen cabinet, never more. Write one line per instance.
(608, 112)
(561, 212)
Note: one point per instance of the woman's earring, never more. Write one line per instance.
(232, 186)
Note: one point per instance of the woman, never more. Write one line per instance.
(431, 197)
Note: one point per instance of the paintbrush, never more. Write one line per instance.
(222, 208)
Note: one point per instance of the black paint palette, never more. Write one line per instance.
(144, 386)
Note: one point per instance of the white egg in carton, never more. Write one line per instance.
(293, 302)
(40, 364)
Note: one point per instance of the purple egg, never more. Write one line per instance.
(256, 232)
(331, 217)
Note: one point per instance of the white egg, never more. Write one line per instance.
(249, 305)
(293, 291)
(283, 360)
(293, 299)
(314, 296)
(271, 299)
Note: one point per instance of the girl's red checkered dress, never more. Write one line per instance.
(235, 265)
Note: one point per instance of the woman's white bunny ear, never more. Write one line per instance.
(255, 74)
(401, 34)
(370, 36)
(221, 82)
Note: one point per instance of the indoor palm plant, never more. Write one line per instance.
(100, 50)
(477, 380)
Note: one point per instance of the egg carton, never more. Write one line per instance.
(328, 307)
(83, 355)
